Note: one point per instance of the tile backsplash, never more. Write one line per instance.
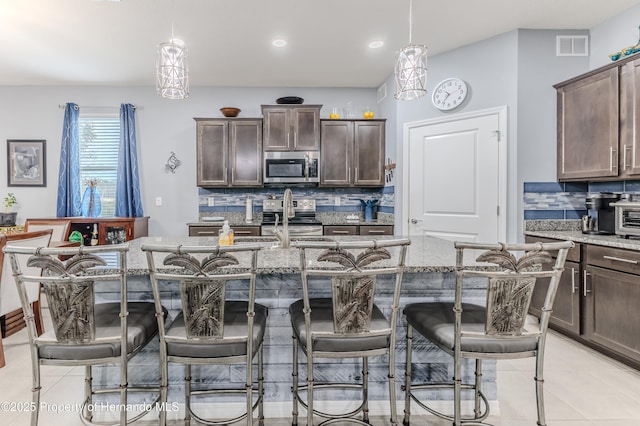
(566, 200)
(327, 199)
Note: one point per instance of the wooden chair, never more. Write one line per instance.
(492, 330)
(85, 333)
(60, 228)
(9, 299)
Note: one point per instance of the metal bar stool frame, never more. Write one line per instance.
(69, 286)
(499, 324)
(352, 270)
(209, 275)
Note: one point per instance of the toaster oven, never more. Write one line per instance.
(627, 218)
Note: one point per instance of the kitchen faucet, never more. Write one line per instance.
(287, 213)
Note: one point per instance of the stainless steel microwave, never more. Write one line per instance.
(291, 167)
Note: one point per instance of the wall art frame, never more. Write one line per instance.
(26, 162)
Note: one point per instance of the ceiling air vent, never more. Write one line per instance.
(572, 45)
(382, 92)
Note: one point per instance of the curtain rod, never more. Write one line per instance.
(63, 106)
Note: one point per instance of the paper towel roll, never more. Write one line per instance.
(248, 215)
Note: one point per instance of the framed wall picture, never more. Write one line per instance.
(26, 163)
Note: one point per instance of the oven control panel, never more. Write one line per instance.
(300, 205)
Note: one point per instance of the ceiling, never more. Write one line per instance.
(106, 42)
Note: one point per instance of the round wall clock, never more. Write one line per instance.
(449, 94)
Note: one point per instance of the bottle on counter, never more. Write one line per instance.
(225, 235)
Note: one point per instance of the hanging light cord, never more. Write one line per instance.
(172, 19)
(410, 18)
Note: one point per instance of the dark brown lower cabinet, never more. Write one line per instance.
(358, 230)
(566, 307)
(212, 231)
(597, 300)
(611, 314)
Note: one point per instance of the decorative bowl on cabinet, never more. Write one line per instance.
(230, 111)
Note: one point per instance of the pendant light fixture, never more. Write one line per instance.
(172, 68)
(411, 68)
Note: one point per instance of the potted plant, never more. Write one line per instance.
(8, 218)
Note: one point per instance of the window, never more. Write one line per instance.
(99, 140)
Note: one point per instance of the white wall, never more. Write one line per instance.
(489, 68)
(614, 34)
(162, 126)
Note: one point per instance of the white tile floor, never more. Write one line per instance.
(582, 388)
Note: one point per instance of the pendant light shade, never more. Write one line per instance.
(411, 69)
(172, 70)
(411, 72)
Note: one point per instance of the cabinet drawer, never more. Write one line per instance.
(341, 230)
(376, 229)
(613, 258)
(573, 255)
(204, 231)
(246, 231)
(212, 231)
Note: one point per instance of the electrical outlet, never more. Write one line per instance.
(158, 201)
(210, 201)
(337, 201)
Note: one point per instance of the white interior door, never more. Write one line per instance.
(455, 179)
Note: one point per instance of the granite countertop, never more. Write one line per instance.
(327, 218)
(425, 254)
(577, 236)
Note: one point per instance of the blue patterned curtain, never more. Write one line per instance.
(128, 200)
(69, 201)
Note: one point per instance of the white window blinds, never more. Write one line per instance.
(99, 140)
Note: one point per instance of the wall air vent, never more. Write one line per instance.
(572, 45)
(382, 92)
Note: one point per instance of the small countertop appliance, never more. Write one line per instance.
(601, 213)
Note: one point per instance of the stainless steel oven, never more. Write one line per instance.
(303, 224)
(291, 167)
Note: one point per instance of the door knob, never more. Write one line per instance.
(414, 221)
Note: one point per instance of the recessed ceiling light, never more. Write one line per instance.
(376, 44)
(279, 42)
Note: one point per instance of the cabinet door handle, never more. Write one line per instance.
(612, 164)
(340, 232)
(206, 232)
(573, 280)
(375, 231)
(242, 232)
(620, 259)
(585, 291)
(624, 156)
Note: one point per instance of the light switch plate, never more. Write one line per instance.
(210, 201)
(158, 201)
(337, 201)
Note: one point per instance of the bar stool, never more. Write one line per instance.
(348, 324)
(210, 330)
(84, 333)
(491, 331)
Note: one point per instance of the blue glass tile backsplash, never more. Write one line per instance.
(234, 199)
(560, 200)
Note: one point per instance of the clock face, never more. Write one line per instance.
(449, 94)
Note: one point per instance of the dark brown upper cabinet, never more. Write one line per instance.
(291, 127)
(229, 152)
(599, 123)
(352, 153)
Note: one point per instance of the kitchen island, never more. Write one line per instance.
(429, 275)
